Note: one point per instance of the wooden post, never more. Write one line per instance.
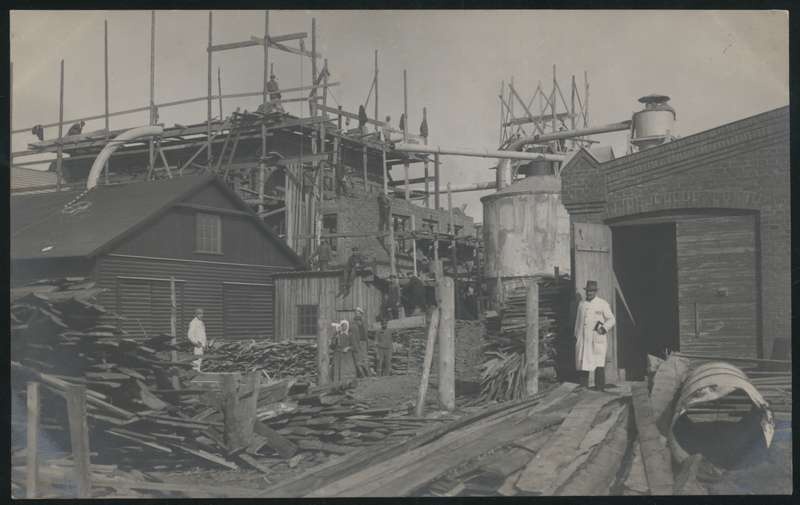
(405, 134)
(173, 326)
(377, 128)
(414, 242)
(364, 165)
(151, 142)
(452, 228)
(572, 109)
(208, 115)
(239, 409)
(105, 60)
(219, 90)
(79, 437)
(323, 352)
(385, 169)
(60, 154)
(436, 181)
(425, 140)
(433, 328)
(532, 339)
(586, 100)
(553, 99)
(339, 119)
(32, 448)
(446, 335)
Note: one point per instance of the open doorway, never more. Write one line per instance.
(645, 262)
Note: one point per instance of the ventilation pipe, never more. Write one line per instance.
(504, 165)
(116, 143)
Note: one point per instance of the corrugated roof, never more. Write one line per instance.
(41, 226)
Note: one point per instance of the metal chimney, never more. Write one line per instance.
(653, 125)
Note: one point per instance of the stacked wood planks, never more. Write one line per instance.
(278, 359)
(503, 372)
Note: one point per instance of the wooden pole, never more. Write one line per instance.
(262, 163)
(79, 437)
(446, 335)
(433, 328)
(572, 109)
(532, 339)
(105, 68)
(405, 134)
(173, 327)
(451, 227)
(436, 181)
(586, 100)
(32, 448)
(60, 154)
(219, 88)
(323, 351)
(208, 115)
(377, 117)
(151, 142)
(316, 146)
(414, 243)
(425, 140)
(385, 170)
(553, 99)
(364, 165)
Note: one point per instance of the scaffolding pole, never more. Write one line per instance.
(151, 143)
(60, 153)
(105, 71)
(262, 161)
(377, 117)
(208, 116)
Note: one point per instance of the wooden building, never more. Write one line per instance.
(696, 235)
(132, 239)
(304, 298)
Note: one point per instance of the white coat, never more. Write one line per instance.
(590, 346)
(197, 335)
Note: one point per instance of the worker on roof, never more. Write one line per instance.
(593, 322)
(387, 133)
(402, 122)
(197, 336)
(384, 211)
(38, 130)
(362, 119)
(323, 254)
(77, 128)
(423, 126)
(274, 92)
(354, 263)
(384, 346)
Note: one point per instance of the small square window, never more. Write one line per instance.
(307, 316)
(208, 233)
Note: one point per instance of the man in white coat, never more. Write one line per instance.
(592, 324)
(197, 336)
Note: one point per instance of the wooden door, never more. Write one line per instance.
(592, 261)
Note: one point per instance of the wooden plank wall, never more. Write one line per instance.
(321, 290)
(718, 253)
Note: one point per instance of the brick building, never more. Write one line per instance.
(696, 234)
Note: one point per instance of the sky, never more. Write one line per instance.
(717, 67)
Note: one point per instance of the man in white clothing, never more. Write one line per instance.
(197, 336)
(592, 324)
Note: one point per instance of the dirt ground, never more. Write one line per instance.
(393, 391)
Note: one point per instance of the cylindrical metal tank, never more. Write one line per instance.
(525, 233)
(653, 125)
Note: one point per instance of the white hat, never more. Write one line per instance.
(359, 309)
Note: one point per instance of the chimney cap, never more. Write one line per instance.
(654, 98)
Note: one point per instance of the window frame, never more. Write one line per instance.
(303, 323)
(332, 241)
(199, 241)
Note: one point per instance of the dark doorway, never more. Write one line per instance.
(645, 262)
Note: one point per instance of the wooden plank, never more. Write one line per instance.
(32, 448)
(426, 367)
(532, 339)
(563, 446)
(79, 438)
(283, 446)
(657, 465)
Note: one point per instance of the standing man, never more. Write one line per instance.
(384, 348)
(274, 93)
(362, 119)
(593, 322)
(323, 254)
(197, 336)
(392, 299)
(384, 211)
(359, 336)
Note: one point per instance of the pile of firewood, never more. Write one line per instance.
(503, 372)
(278, 359)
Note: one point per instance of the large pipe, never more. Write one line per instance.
(458, 188)
(485, 153)
(504, 166)
(116, 143)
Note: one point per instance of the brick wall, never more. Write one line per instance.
(738, 166)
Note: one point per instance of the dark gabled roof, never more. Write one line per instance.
(104, 216)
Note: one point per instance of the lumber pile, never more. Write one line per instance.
(279, 359)
(503, 372)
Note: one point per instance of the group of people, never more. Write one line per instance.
(350, 348)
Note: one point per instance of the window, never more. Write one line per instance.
(307, 316)
(429, 225)
(330, 224)
(208, 233)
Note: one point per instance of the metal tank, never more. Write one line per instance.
(653, 124)
(525, 233)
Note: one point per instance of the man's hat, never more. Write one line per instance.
(591, 286)
(359, 309)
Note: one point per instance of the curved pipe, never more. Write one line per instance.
(504, 165)
(116, 143)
